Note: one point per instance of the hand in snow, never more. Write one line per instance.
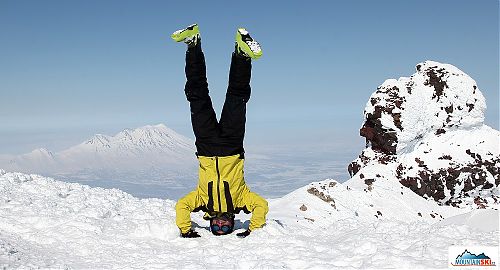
(243, 234)
(190, 234)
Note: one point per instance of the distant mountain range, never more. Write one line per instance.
(156, 161)
(153, 154)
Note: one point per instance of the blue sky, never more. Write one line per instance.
(70, 69)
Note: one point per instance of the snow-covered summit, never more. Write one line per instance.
(427, 131)
(99, 141)
(157, 138)
(45, 223)
(437, 98)
(42, 153)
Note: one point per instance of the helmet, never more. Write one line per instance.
(222, 223)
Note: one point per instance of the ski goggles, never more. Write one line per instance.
(223, 228)
(222, 223)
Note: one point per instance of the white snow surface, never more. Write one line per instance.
(45, 223)
(482, 140)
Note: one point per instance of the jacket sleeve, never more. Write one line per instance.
(259, 208)
(183, 210)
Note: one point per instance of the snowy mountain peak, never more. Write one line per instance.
(150, 138)
(41, 152)
(154, 152)
(99, 140)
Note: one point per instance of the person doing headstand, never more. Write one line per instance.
(221, 192)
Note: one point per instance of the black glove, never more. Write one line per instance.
(244, 234)
(190, 234)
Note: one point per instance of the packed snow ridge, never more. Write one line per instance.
(427, 132)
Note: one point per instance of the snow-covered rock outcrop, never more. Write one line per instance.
(428, 131)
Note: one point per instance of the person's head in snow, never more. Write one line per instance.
(222, 191)
(222, 223)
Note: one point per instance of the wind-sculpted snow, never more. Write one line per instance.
(46, 223)
(428, 129)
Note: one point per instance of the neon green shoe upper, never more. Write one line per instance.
(247, 45)
(187, 35)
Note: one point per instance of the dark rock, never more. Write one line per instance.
(369, 181)
(326, 198)
(369, 184)
(432, 183)
(381, 139)
(436, 80)
(471, 106)
(481, 203)
(447, 157)
(353, 168)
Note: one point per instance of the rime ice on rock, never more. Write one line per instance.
(438, 97)
(430, 126)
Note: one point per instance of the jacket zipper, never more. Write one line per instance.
(218, 182)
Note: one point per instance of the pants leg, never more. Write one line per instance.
(233, 117)
(203, 118)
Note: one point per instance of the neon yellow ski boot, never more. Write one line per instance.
(246, 45)
(189, 35)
